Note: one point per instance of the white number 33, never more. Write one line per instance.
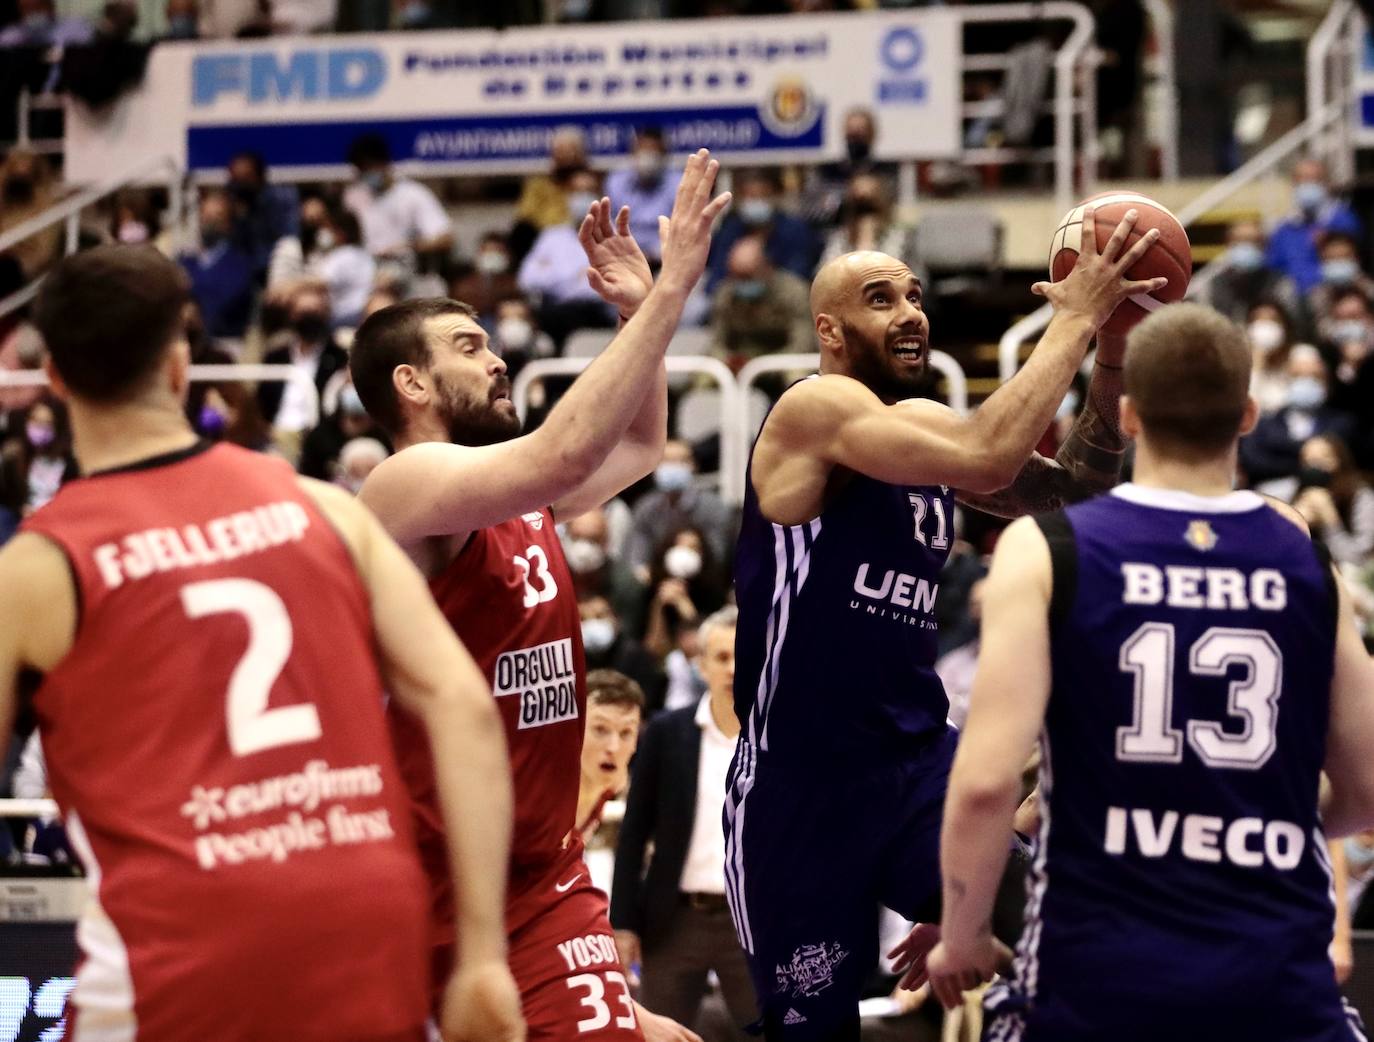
(535, 564)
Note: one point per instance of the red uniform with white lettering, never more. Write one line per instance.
(216, 741)
(509, 595)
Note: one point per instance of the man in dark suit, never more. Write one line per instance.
(672, 917)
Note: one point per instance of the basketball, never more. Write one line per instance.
(1171, 256)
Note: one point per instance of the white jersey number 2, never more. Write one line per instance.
(252, 726)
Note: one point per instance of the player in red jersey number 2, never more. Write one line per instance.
(474, 503)
(213, 635)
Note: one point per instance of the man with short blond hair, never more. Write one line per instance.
(1189, 661)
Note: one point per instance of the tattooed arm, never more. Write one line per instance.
(1089, 461)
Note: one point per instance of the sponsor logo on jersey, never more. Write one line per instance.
(811, 970)
(895, 595)
(535, 519)
(1186, 586)
(142, 554)
(1200, 535)
(793, 1017)
(1245, 842)
(543, 678)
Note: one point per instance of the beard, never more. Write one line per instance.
(874, 365)
(474, 422)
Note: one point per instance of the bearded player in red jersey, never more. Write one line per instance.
(213, 635)
(474, 504)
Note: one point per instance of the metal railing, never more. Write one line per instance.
(956, 382)
(1277, 152)
(236, 373)
(68, 212)
(1333, 56)
(731, 450)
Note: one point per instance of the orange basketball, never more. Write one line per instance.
(1171, 256)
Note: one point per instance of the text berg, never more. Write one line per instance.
(1216, 589)
(1245, 842)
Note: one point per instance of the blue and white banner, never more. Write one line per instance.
(752, 89)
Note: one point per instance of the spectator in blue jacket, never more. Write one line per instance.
(789, 242)
(222, 282)
(1294, 243)
(263, 213)
(647, 187)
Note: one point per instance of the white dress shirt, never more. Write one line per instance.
(405, 213)
(704, 870)
(296, 412)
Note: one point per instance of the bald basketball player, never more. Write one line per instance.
(834, 796)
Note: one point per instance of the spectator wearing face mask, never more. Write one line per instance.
(1271, 451)
(609, 645)
(136, 219)
(349, 271)
(554, 273)
(1335, 499)
(685, 584)
(401, 219)
(790, 242)
(263, 213)
(597, 572)
(1270, 333)
(35, 460)
(1245, 280)
(758, 309)
(675, 503)
(311, 350)
(347, 423)
(866, 222)
(1346, 334)
(825, 192)
(518, 337)
(647, 187)
(1340, 273)
(543, 201)
(1294, 242)
(39, 26)
(222, 281)
(183, 20)
(488, 281)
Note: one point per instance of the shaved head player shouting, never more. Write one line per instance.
(474, 502)
(847, 522)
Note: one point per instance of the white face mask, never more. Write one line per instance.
(598, 635)
(514, 333)
(492, 262)
(682, 562)
(584, 556)
(324, 239)
(1265, 334)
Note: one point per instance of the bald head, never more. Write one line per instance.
(839, 283)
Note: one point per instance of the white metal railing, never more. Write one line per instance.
(14, 808)
(1161, 15)
(1277, 152)
(30, 103)
(956, 382)
(731, 450)
(1333, 55)
(236, 373)
(68, 213)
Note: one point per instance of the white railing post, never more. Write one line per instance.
(1161, 14)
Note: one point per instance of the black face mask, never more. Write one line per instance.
(862, 207)
(311, 328)
(1314, 477)
(244, 192)
(19, 190)
(859, 150)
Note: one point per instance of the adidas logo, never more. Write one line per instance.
(793, 1017)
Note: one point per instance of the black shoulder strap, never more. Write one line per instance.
(1058, 534)
(1333, 593)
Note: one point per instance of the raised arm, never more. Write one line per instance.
(434, 488)
(1089, 461)
(1006, 711)
(619, 272)
(429, 672)
(1349, 767)
(836, 421)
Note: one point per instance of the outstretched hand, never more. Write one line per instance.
(685, 237)
(1098, 282)
(618, 270)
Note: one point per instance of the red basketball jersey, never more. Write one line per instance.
(509, 595)
(217, 744)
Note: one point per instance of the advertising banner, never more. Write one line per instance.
(772, 89)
